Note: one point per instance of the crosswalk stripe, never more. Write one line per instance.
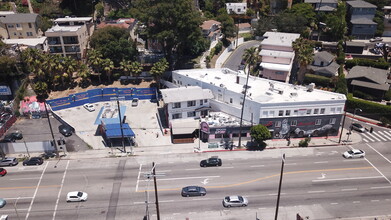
(367, 137)
(365, 140)
(386, 135)
(379, 136)
(388, 132)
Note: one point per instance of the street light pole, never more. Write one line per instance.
(343, 124)
(51, 130)
(279, 187)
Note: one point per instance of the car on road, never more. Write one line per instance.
(2, 202)
(375, 39)
(357, 127)
(135, 102)
(3, 172)
(193, 191)
(65, 130)
(48, 155)
(9, 161)
(354, 153)
(89, 107)
(12, 137)
(213, 161)
(232, 201)
(33, 161)
(77, 196)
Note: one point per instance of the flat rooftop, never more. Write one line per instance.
(260, 90)
(63, 29)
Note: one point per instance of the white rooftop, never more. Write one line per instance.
(26, 41)
(279, 39)
(67, 19)
(276, 66)
(276, 53)
(58, 28)
(260, 90)
(182, 94)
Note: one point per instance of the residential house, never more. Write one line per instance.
(126, 23)
(39, 43)
(323, 5)
(324, 64)
(236, 8)
(360, 16)
(69, 36)
(211, 30)
(18, 26)
(369, 80)
(354, 47)
(277, 55)
(287, 110)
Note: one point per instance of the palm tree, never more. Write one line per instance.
(252, 58)
(304, 55)
(124, 65)
(95, 60)
(135, 68)
(158, 69)
(83, 74)
(108, 67)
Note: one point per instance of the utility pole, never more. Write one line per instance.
(343, 124)
(241, 113)
(51, 130)
(156, 196)
(120, 120)
(279, 187)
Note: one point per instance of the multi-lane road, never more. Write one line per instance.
(317, 182)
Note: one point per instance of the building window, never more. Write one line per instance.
(191, 103)
(205, 100)
(339, 110)
(279, 73)
(332, 121)
(14, 33)
(265, 114)
(177, 105)
(295, 112)
(288, 112)
(280, 113)
(271, 113)
(309, 111)
(277, 124)
(294, 123)
(318, 121)
(177, 115)
(191, 114)
(10, 26)
(322, 111)
(218, 136)
(30, 26)
(29, 34)
(316, 111)
(230, 100)
(332, 110)
(201, 102)
(18, 25)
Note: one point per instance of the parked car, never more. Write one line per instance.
(13, 136)
(375, 39)
(65, 130)
(193, 191)
(213, 161)
(48, 155)
(77, 196)
(33, 161)
(354, 153)
(135, 102)
(9, 161)
(357, 127)
(89, 107)
(3, 172)
(2, 202)
(230, 201)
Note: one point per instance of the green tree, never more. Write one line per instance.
(158, 69)
(304, 55)
(291, 23)
(108, 67)
(116, 50)
(304, 10)
(95, 60)
(259, 133)
(136, 68)
(264, 24)
(341, 86)
(228, 27)
(336, 23)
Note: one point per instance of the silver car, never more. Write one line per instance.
(9, 161)
(230, 201)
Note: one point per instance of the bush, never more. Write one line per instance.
(218, 47)
(363, 95)
(248, 36)
(387, 96)
(370, 109)
(304, 143)
(380, 63)
(318, 80)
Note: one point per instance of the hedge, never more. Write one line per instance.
(318, 80)
(380, 63)
(369, 109)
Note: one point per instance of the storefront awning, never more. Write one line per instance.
(184, 126)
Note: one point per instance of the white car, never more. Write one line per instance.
(375, 39)
(89, 107)
(77, 196)
(354, 153)
(135, 102)
(230, 201)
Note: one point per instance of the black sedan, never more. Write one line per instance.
(33, 161)
(65, 130)
(193, 191)
(12, 137)
(213, 161)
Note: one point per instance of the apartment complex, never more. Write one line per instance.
(19, 26)
(69, 36)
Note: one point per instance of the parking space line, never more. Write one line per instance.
(59, 192)
(138, 177)
(36, 191)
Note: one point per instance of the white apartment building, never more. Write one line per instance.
(69, 36)
(277, 55)
(287, 110)
(236, 8)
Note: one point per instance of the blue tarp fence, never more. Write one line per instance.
(101, 95)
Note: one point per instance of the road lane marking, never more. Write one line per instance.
(378, 170)
(321, 162)
(167, 201)
(334, 203)
(193, 169)
(258, 166)
(138, 177)
(288, 164)
(379, 153)
(225, 167)
(36, 190)
(367, 137)
(380, 187)
(19, 198)
(201, 199)
(164, 171)
(32, 178)
(353, 178)
(381, 137)
(350, 189)
(375, 200)
(186, 178)
(319, 191)
(385, 135)
(356, 201)
(27, 187)
(59, 192)
(264, 178)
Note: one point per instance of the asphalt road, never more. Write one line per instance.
(235, 58)
(317, 182)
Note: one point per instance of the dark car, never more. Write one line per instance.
(65, 130)
(12, 137)
(213, 161)
(33, 161)
(3, 172)
(9, 161)
(193, 191)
